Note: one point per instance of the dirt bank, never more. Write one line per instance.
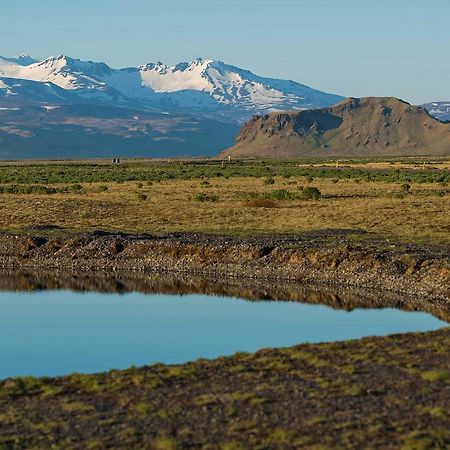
(326, 258)
(307, 258)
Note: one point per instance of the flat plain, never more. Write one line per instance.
(400, 199)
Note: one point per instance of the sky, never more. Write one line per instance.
(354, 48)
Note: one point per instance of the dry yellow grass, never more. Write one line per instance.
(170, 206)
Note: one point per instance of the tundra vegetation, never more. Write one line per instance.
(400, 199)
(391, 392)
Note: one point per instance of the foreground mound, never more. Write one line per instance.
(391, 392)
(369, 126)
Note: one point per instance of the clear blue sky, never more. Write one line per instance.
(351, 47)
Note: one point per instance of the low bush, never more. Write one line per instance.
(269, 181)
(280, 194)
(75, 188)
(141, 196)
(311, 193)
(203, 197)
(405, 187)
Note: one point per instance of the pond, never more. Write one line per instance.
(57, 332)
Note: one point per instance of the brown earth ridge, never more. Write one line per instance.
(369, 126)
(326, 258)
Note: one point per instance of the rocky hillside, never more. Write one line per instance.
(368, 126)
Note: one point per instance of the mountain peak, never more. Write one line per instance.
(21, 60)
(24, 59)
(355, 127)
(202, 85)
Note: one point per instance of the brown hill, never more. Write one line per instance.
(368, 126)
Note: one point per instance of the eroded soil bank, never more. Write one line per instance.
(391, 392)
(324, 258)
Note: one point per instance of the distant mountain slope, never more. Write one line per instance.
(356, 127)
(57, 107)
(92, 131)
(206, 86)
(440, 110)
(16, 92)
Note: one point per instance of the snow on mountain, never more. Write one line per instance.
(83, 78)
(21, 60)
(230, 85)
(18, 91)
(440, 110)
(206, 86)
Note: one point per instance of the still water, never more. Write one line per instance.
(60, 332)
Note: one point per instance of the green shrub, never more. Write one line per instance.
(280, 194)
(203, 197)
(250, 195)
(311, 193)
(269, 181)
(102, 188)
(75, 188)
(405, 187)
(141, 196)
(440, 193)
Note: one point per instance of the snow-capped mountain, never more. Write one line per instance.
(65, 107)
(206, 86)
(15, 92)
(440, 110)
(229, 85)
(21, 60)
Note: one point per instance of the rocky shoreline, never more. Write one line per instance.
(320, 259)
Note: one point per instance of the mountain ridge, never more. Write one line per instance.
(368, 126)
(203, 85)
(66, 107)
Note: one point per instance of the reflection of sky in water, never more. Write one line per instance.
(59, 332)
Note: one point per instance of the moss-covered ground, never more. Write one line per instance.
(390, 392)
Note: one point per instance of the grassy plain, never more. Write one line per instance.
(399, 199)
